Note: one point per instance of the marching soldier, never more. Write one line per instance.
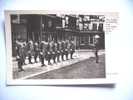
(30, 51)
(58, 51)
(36, 51)
(20, 56)
(25, 52)
(43, 50)
(66, 49)
(54, 53)
(72, 49)
(62, 50)
(49, 55)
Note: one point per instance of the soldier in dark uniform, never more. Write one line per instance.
(72, 49)
(30, 51)
(58, 51)
(96, 44)
(36, 51)
(54, 51)
(20, 56)
(66, 49)
(49, 55)
(62, 50)
(25, 52)
(43, 50)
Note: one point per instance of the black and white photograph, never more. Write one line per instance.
(56, 46)
(66, 49)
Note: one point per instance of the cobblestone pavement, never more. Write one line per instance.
(35, 69)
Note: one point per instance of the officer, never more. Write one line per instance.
(62, 50)
(96, 44)
(72, 49)
(20, 57)
(43, 50)
(30, 51)
(58, 51)
(36, 51)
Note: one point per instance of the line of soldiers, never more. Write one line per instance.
(45, 51)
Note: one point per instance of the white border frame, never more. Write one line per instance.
(110, 76)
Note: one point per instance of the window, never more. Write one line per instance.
(100, 27)
(91, 39)
(84, 40)
(94, 26)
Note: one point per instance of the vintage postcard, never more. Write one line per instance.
(58, 47)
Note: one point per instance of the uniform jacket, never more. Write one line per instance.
(72, 47)
(20, 52)
(30, 48)
(43, 48)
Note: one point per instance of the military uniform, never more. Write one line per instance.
(20, 56)
(49, 54)
(30, 51)
(36, 51)
(66, 50)
(72, 49)
(62, 50)
(96, 50)
(25, 52)
(43, 50)
(54, 52)
(58, 51)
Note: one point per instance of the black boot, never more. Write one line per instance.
(58, 59)
(62, 58)
(42, 61)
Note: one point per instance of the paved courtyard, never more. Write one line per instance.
(82, 66)
(80, 70)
